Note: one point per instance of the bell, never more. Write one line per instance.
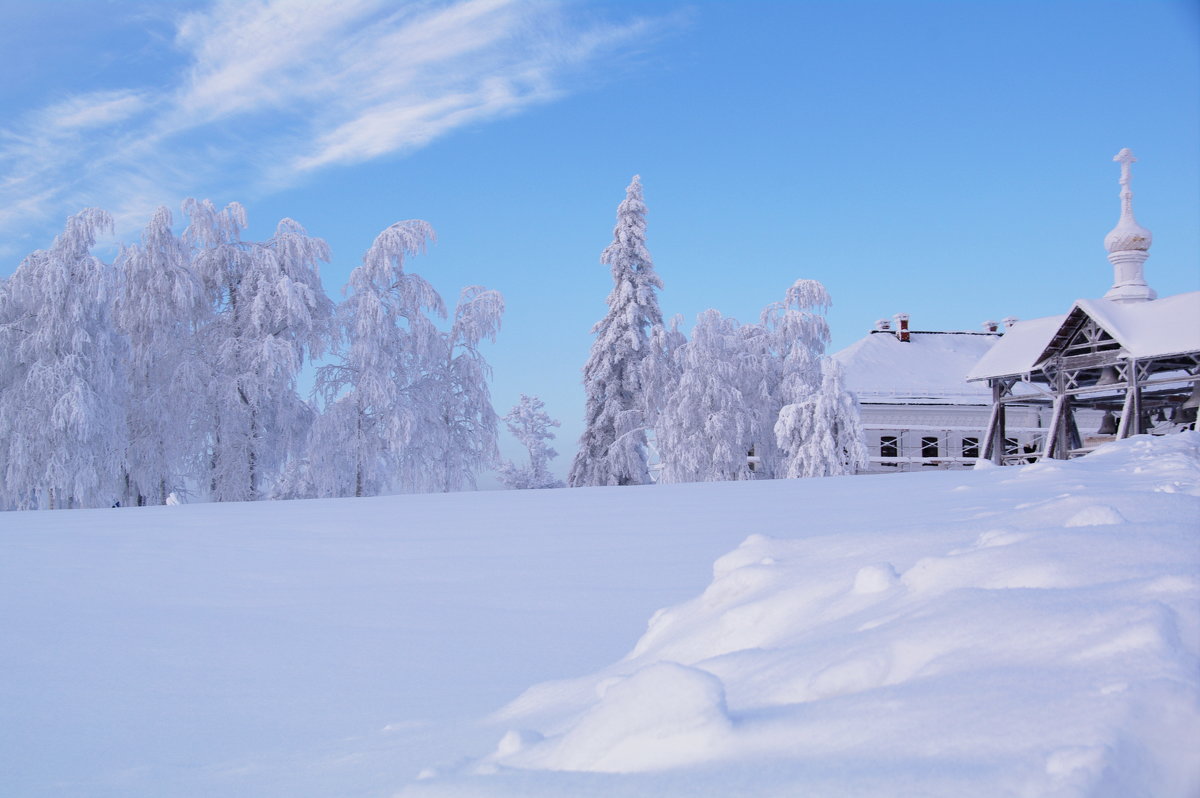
(1193, 401)
(1108, 424)
(1108, 376)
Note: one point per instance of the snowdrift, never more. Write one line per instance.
(1042, 641)
(1028, 631)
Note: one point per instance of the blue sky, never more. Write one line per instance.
(951, 160)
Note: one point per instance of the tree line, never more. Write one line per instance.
(735, 401)
(172, 372)
(173, 369)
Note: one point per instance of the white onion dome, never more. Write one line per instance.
(1128, 235)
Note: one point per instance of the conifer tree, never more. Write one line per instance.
(612, 448)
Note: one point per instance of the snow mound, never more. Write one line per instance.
(1096, 515)
(661, 716)
(1023, 638)
(875, 578)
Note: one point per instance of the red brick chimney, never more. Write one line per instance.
(901, 327)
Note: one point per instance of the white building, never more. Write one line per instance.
(918, 410)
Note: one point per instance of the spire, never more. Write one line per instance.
(1128, 244)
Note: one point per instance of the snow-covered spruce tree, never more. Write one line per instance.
(407, 405)
(159, 307)
(612, 449)
(530, 424)
(822, 435)
(62, 424)
(271, 313)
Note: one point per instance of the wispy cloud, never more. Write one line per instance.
(274, 89)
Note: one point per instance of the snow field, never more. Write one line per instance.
(1025, 631)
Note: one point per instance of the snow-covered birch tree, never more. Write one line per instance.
(822, 435)
(62, 424)
(818, 429)
(707, 424)
(159, 307)
(271, 313)
(530, 424)
(460, 438)
(372, 393)
(407, 405)
(720, 416)
(612, 448)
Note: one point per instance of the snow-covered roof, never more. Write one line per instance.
(1166, 326)
(930, 368)
(1022, 344)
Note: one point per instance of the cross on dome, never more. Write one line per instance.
(1125, 158)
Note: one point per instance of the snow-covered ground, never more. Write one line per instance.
(1025, 631)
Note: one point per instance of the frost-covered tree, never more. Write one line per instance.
(460, 438)
(159, 307)
(707, 424)
(271, 313)
(357, 446)
(799, 334)
(612, 449)
(822, 435)
(62, 424)
(719, 416)
(407, 405)
(530, 424)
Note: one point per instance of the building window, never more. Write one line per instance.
(970, 448)
(889, 446)
(929, 447)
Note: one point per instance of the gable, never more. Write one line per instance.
(1079, 334)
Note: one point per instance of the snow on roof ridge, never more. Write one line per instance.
(1166, 326)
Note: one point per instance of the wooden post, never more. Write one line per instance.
(1131, 412)
(1053, 446)
(994, 440)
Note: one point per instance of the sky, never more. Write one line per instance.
(950, 160)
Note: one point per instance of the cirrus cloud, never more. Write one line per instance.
(271, 90)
